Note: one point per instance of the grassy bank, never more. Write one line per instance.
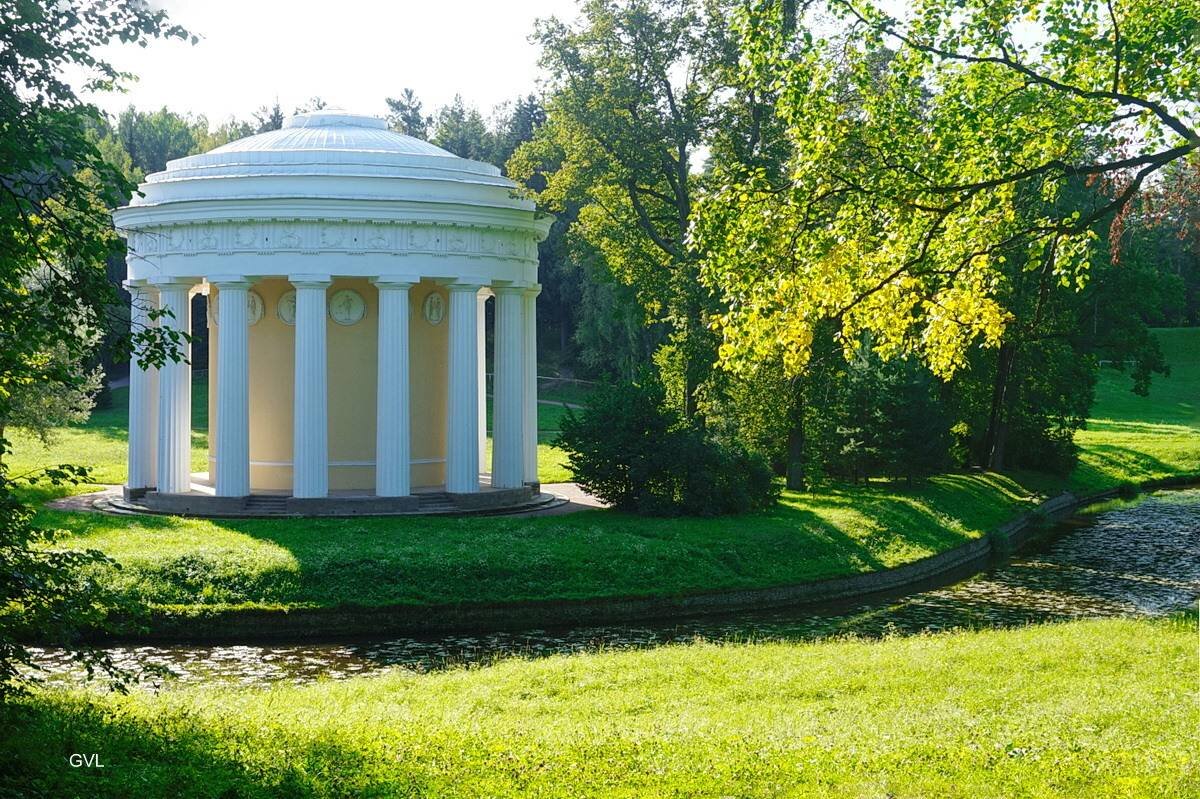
(175, 564)
(1086, 709)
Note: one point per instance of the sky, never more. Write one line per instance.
(351, 53)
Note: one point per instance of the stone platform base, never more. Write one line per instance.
(201, 502)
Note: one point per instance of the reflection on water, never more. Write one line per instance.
(1141, 558)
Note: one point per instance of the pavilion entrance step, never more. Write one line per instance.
(436, 502)
(266, 503)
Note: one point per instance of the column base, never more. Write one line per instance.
(134, 493)
(491, 499)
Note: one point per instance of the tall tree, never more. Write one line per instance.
(153, 138)
(55, 236)
(516, 123)
(631, 102)
(899, 210)
(461, 130)
(268, 118)
(405, 115)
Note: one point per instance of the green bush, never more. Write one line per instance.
(630, 449)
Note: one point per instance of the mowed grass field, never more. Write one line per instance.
(1096, 708)
(1086, 709)
(174, 565)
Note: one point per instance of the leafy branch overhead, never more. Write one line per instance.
(928, 153)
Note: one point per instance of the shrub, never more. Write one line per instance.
(632, 451)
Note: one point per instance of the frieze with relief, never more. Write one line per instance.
(349, 237)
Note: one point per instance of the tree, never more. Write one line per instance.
(207, 138)
(462, 131)
(903, 202)
(152, 139)
(64, 393)
(630, 103)
(516, 123)
(314, 104)
(406, 117)
(268, 118)
(55, 236)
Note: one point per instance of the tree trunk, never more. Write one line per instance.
(796, 477)
(997, 429)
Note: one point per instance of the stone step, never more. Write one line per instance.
(266, 503)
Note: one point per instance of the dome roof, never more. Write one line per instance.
(329, 155)
(331, 193)
(330, 131)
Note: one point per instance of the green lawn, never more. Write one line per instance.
(102, 442)
(1146, 437)
(838, 531)
(1086, 709)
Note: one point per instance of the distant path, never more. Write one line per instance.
(572, 405)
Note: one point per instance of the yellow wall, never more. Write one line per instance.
(352, 385)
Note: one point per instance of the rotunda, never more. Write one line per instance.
(346, 268)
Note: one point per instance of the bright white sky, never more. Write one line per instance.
(351, 53)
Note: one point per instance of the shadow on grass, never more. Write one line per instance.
(175, 756)
(1109, 464)
(595, 554)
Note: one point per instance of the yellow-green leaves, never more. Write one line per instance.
(929, 157)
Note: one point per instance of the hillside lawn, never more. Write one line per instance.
(1103, 708)
(173, 564)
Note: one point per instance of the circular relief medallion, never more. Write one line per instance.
(347, 307)
(254, 308)
(434, 308)
(285, 309)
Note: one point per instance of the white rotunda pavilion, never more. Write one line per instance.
(346, 268)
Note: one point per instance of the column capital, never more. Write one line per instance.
(232, 281)
(533, 289)
(167, 282)
(395, 281)
(506, 287)
(310, 281)
(463, 286)
(132, 285)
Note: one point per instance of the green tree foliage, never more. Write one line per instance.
(517, 122)
(631, 102)
(268, 118)
(631, 449)
(55, 237)
(461, 130)
(62, 393)
(1161, 233)
(405, 115)
(927, 153)
(153, 138)
(209, 138)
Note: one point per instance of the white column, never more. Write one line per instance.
(143, 394)
(233, 386)
(529, 350)
(310, 419)
(481, 333)
(462, 440)
(393, 437)
(508, 438)
(175, 393)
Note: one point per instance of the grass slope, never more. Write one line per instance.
(170, 562)
(1087, 709)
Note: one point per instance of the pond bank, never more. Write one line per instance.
(1139, 557)
(196, 624)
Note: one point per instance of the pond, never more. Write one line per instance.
(1134, 558)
